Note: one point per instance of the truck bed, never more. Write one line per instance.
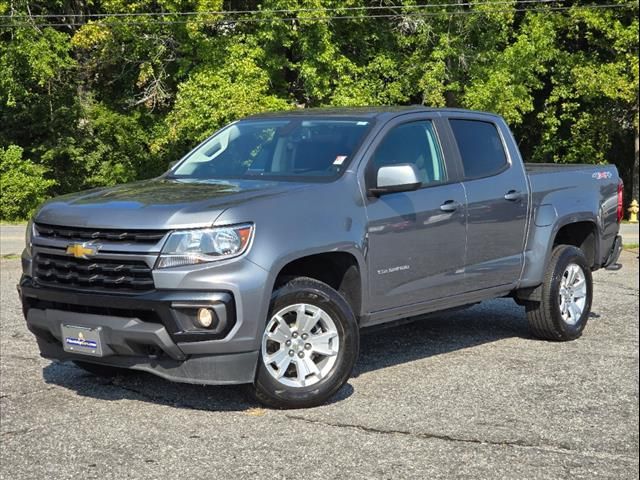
(576, 191)
(559, 184)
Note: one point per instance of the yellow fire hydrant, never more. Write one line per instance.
(633, 210)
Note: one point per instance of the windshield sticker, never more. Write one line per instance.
(339, 159)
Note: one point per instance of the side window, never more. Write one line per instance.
(480, 147)
(414, 143)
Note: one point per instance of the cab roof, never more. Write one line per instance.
(381, 112)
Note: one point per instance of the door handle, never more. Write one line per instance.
(512, 195)
(449, 206)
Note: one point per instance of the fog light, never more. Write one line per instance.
(204, 318)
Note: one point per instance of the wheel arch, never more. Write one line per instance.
(342, 270)
(580, 230)
(582, 234)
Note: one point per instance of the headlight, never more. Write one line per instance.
(189, 247)
(28, 235)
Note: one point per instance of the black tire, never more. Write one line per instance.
(267, 390)
(545, 318)
(98, 370)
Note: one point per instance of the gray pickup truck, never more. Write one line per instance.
(259, 256)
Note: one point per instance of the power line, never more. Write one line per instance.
(365, 8)
(328, 18)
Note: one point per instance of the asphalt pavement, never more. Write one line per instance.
(629, 232)
(11, 239)
(464, 395)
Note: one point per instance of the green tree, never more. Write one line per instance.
(22, 183)
(101, 100)
(231, 85)
(592, 103)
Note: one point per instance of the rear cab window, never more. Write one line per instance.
(480, 146)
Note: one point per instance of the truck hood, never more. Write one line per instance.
(157, 204)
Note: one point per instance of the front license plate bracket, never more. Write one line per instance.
(83, 340)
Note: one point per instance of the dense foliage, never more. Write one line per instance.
(89, 98)
(24, 186)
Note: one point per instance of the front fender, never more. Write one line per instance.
(322, 218)
(350, 248)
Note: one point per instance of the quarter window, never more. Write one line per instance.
(480, 147)
(414, 143)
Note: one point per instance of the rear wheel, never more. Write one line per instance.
(309, 345)
(566, 297)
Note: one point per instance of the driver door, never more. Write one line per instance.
(416, 239)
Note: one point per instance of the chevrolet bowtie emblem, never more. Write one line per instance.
(81, 250)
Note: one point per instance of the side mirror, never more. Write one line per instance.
(396, 178)
(173, 164)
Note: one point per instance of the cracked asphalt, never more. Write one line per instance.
(458, 395)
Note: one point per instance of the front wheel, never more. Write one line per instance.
(309, 345)
(567, 292)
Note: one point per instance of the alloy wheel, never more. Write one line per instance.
(300, 345)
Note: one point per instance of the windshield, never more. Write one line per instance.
(276, 149)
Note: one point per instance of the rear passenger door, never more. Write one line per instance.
(497, 199)
(416, 239)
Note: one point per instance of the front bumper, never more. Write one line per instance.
(151, 331)
(168, 308)
(229, 369)
(130, 342)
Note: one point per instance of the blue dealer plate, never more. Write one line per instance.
(84, 340)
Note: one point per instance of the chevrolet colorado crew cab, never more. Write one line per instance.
(260, 255)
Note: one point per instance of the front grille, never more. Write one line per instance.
(111, 235)
(94, 274)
